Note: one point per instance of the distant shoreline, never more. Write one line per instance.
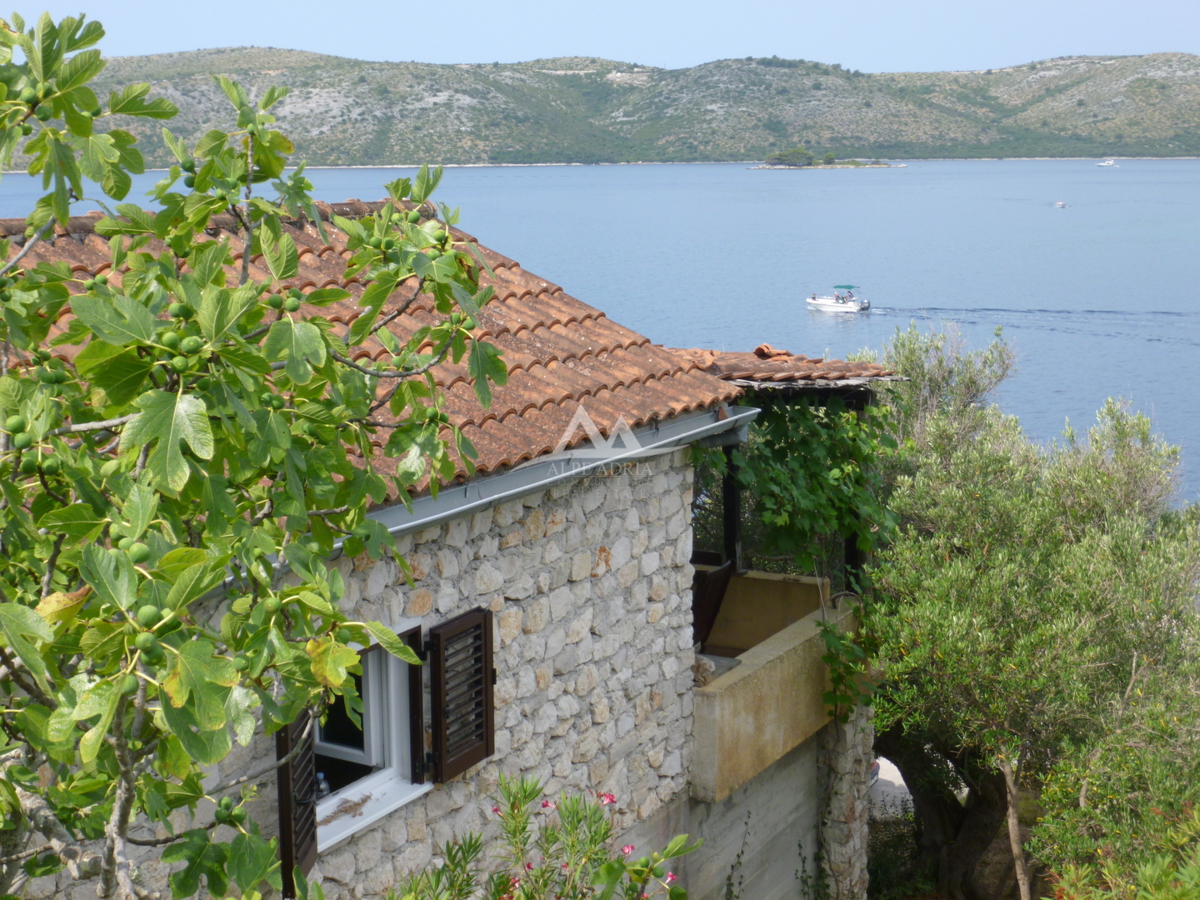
(756, 164)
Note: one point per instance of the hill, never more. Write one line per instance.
(351, 112)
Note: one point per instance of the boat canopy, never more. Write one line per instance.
(845, 287)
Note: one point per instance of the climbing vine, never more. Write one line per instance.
(811, 474)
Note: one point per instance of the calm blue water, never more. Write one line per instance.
(1099, 299)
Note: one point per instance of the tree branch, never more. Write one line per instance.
(92, 426)
(52, 564)
(406, 373)
(270, 767)
(400, 310)
(8, 266)
(248, 222)
(81, 864)
(17, 673)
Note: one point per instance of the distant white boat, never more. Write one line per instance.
(840, 302)
(1060, 205)
(1109, 163)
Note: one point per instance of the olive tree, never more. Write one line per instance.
(191, 434)
(1028, 593)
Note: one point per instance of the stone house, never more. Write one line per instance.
(551, 597)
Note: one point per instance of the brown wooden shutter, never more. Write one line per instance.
(462, 676)
(416, 708)
(297, 783)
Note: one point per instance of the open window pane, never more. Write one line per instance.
(339, 729)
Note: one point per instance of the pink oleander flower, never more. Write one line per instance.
(496, 810)
(528, 867)
(546, 804)
(606, 799)
(627, 849)
(670, 877)
(565, 866)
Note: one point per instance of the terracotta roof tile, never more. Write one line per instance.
(770, 365)
(560, 352)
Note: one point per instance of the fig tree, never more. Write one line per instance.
(15, 424)
(138, 553)
(29, 466)
(192, 345)
(145, 641)
(22, 441)
(129, 684)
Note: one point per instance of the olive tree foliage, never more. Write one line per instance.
(946, 383)
(1027, 597)
(191, 435)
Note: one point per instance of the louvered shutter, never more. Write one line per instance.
(297, 783)
(416, 709)
(460, 657)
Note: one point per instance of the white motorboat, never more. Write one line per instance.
(1108, 163)
(843, 300)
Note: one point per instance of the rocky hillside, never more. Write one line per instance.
(350, 112)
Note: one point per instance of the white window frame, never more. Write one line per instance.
(387, 745)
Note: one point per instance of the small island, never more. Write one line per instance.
(802, 158)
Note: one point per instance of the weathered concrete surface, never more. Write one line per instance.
(757, 713)
(772, 821)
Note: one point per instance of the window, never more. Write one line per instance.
(371, 770)
(345, 751)
(378, 767)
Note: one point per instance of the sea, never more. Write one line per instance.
(1092, 273)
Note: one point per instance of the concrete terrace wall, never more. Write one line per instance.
(762, 839)
(590, 586)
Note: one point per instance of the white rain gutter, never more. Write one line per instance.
(477, 495)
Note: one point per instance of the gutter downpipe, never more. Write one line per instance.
(475, 496)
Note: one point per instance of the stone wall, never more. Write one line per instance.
(845, 829)
(590, 585)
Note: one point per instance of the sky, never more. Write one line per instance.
(869, 35)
